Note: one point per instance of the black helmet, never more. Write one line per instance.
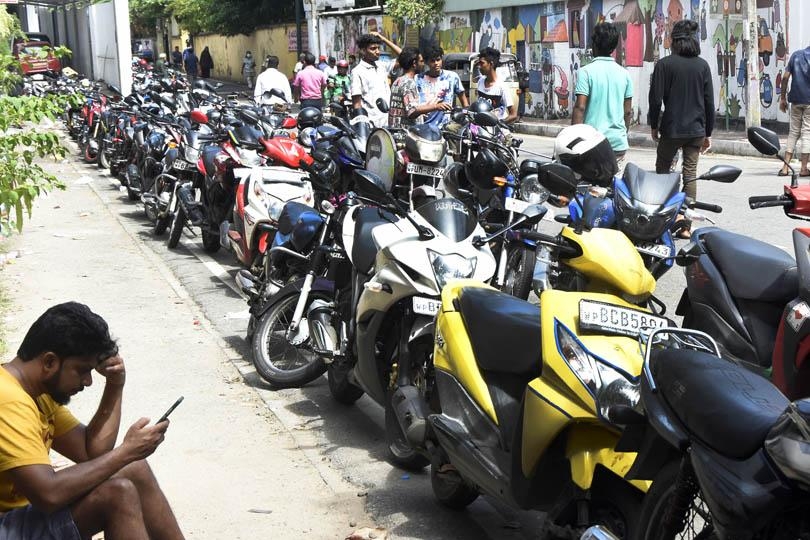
(485, 166)
(309, 117)
(480, 106)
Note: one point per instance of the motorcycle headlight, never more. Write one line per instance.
(532, 191)
(192, 154)
(609, 386)
(249, 158)
(450, 267)
(642, 221)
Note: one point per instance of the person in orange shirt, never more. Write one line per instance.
(110, 488)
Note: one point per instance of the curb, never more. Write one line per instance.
(639, 140)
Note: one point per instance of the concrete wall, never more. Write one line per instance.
(227, 52)
(552, 38)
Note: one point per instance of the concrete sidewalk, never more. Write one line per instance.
(230, 468)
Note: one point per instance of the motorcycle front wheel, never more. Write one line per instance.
(283, 362)
(519, 272)
(176, 231)
(210, 241)
(104, 154)
(697, 522)
(342, 390)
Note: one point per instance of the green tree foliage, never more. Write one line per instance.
(416, 12)
(23, 139)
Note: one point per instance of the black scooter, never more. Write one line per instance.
(728, 454)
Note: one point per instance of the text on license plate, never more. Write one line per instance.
(613, 319)
(181, 165)
(425, 170)
(515, 205)
(662, 251)
(426, 306)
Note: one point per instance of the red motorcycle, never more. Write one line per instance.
(752, 297)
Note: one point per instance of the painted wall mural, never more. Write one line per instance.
(551, 40)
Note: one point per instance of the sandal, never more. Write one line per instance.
(783, 173)
(805, 173)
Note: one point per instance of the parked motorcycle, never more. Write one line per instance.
(728, 454)
(752, 296)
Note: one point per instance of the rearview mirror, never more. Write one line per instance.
(535, 213)
(486, 119)
(382, 105)
(370, 185)
(114, 89)
(764, 140)
(277, 93)
(559, 179)
(725, 174)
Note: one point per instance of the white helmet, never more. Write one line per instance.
(587, 152)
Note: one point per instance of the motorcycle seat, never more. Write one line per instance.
(725, 406)
(753, 269)
(504, 331)
(364, 250)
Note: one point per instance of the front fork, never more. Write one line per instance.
(318, 256)
(500, 279)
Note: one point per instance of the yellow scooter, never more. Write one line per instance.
(527, 402)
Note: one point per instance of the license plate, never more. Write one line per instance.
(662, 251)
(426, 306)
(613, 319)
(515, 205)
(181, 165)
(425, 170)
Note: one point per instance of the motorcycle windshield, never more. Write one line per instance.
(649, 187)
(450, 217)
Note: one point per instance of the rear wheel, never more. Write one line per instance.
(104, 154)
(450, 489)
(176, 231)
(283, 362)
(339, 385)
(694, 523)
(210, 241)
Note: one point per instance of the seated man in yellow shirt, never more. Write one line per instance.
(110, 489)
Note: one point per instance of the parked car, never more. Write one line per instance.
(34, 59)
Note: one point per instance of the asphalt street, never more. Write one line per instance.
(351, 439)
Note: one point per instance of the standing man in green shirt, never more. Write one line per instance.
(605, 92)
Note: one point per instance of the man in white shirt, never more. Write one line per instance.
(269, 79)
(370, 81)
(491, 90)
(300, 64)
(331, 69)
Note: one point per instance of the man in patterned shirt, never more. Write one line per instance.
(438, 89)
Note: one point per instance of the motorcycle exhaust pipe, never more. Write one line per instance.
(246, 283)
(410, 410)
(323, 334)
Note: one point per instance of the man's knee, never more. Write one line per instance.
(137, 472)
(118, 491)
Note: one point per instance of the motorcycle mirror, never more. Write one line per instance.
(198, 116)
(382, 105)
(289, 122)
(559, 179)
(486, 119)
(275, 92)
(534, 214)
(250, 116)
(725, 174)
(114, 89)
(764, 140)
(370, 185)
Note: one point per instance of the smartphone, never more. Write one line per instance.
(173, 407)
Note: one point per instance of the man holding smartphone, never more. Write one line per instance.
(110, 489)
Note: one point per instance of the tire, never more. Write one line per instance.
(400, 451)
(519, 272)
(270, 336)
(210, 241)
(89, 156)
(103, 159)
(340, 387)
(656, 504)
(132, 195)
(451, 490)
(176, 231)
(162, 223)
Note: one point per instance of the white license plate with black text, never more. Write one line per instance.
(613, 319)
(425, 170)
(662, 251)
(515, 205)
(426, 306)
(181, 165)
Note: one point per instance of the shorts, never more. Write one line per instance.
(28, 523)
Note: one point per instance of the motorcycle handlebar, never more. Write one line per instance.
(706, 206)
(566, 251)
(765, 201)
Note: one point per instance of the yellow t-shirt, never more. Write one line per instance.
(27, 430)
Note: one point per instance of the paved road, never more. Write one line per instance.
(351, 438)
